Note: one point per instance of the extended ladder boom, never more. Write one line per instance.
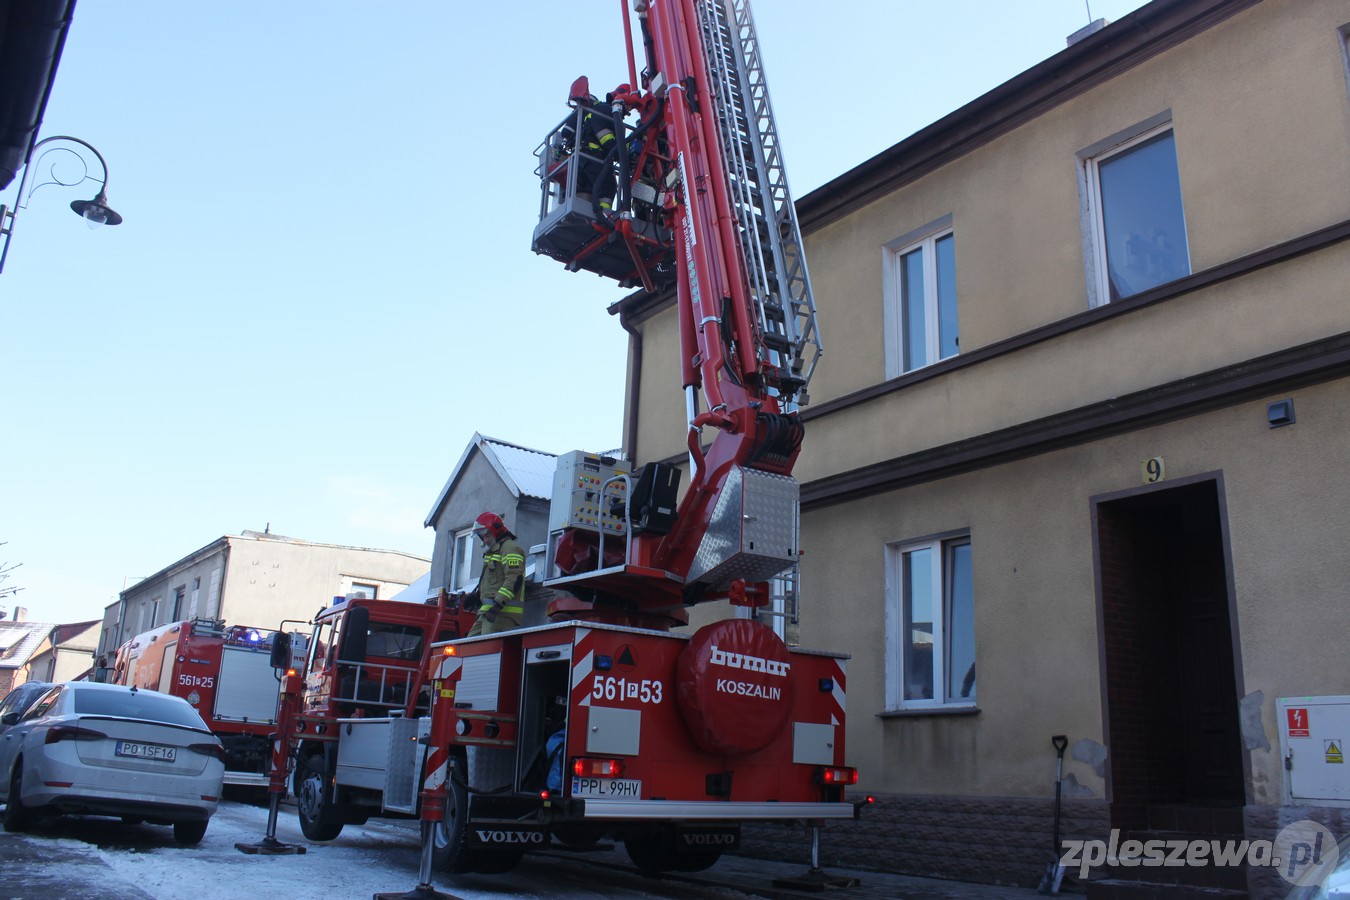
(693, 195)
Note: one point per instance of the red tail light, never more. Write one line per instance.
(839, 776)
(209, 750)
(72, 733)
(595, 767)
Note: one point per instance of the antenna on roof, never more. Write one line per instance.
(267, 529)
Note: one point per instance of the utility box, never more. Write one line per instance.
(1313, 735)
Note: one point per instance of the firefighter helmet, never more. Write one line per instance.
(490, 528)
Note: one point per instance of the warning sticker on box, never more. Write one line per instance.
(1335, 751)
(1297, 722)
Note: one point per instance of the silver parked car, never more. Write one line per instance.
(105, 749)
(17, 701)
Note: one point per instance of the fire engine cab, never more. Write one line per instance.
(225, 673)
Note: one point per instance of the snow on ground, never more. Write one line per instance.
(381, 856)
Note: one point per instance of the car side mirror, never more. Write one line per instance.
(281, 650)
(9, 719)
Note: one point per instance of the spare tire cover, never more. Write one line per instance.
(735, 686)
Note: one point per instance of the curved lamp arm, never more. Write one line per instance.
(96, 211)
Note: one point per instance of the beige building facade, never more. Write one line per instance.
(1075, 454)
(254, 578)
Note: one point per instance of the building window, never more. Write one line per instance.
(369, 591)
(920, 286)
(931, 633)
(179, 593)
(1136, 225)
(461, 566)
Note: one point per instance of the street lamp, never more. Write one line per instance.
(95, 212)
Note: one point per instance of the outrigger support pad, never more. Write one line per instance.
(816, 880)
(425, 890)
(269, 845)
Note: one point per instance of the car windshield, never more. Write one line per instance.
(137, 705)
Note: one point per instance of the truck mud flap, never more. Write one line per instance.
(697, 838)
(505, 836)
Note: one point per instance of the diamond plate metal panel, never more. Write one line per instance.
(404, 771)
(491, 767)
(753, 531)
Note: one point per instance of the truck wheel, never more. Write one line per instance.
(189, 834)
(696, 860)
(17, 816)
(316, 818)
(650, 853)
(449, 834)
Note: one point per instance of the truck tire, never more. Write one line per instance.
(315, 809)
(18, 817)
(449, 834)
(449, 851)
(649, 853)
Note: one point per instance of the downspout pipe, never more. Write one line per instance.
(630, 430)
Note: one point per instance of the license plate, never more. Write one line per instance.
(146, 751)
(627, 788)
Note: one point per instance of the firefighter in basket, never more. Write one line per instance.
(501, 586)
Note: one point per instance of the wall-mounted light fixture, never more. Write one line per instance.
(95, 212)
(1281, 412)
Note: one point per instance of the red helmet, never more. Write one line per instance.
(490, 528)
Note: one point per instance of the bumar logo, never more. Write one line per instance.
(748, 663)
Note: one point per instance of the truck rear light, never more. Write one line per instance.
(837, 776)
(596, 767)
(449, 651)
(72, 733)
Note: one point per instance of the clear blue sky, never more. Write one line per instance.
(324, 285)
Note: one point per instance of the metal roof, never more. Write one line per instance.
(525, 472)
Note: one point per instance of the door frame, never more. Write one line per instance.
(1096, 501)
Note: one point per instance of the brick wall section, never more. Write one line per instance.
(992, 840)
(1265, 822)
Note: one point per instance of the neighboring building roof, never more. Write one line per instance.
(64, 634)
(18, 640)
(526, 472)
(221, 542)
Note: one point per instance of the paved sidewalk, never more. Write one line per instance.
(756, 877)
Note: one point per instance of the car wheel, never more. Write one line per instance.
(17, 816)
(189, 833)
(316, 815)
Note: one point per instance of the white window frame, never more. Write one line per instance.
(1094, 224)
(896, 661)
(892, 281)
(372, 591)
(457, 582)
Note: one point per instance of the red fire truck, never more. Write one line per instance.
(364, 700)
(225, 673)
(604, 721)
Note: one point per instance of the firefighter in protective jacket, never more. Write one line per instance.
(501, 586)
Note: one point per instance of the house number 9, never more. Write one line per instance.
(1153, 470)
